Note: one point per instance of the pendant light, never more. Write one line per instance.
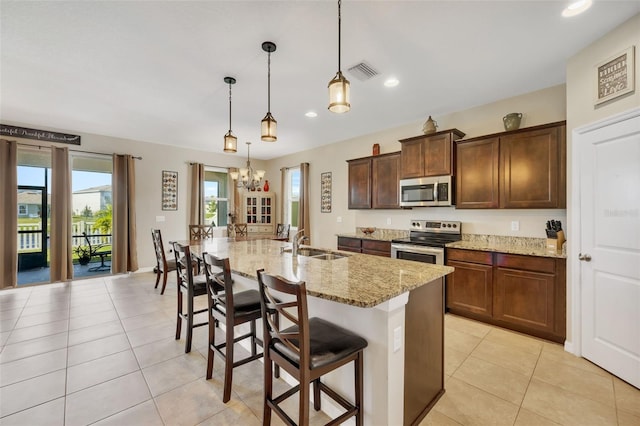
(339, 86)
(269, 124)
(230, 141)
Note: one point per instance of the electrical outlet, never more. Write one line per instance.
(515, 225)
(339, 219)
(397, 339)
(388, 221)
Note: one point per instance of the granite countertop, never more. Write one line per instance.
(504, 244)
(358, 279)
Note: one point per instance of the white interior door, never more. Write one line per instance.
(610, 246)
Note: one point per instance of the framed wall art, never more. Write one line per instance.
(615, 76)
(325, 192)
(169, 190)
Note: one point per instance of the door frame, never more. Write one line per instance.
(574, 346)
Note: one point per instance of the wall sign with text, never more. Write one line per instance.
(38, 135)
(615, 76)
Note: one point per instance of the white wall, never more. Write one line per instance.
(581, 111)
(544, 106)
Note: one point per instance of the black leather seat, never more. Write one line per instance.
(307, 350)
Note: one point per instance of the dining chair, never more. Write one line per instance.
(190, 286)
(231, 309)
(200, 232)
(230, 230)
(163, 265)
(241, 229)
(282, 232)
(307, 350)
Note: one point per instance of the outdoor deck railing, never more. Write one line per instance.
(33, 241)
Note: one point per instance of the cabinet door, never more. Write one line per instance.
(477, 174)
(529, 170)
(437, 155)
(360, 184)
(470, 288)
(350, 244)
(386, 181)
(525, 298)
(412, 159)
(378, 248)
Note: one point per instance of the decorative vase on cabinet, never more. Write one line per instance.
(266, 186)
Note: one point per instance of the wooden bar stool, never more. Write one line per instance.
(200, 232)
(163, 265)
(309, 349)
(231, 309)
(190, 286)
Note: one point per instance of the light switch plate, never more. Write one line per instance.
(515, 225)
(388, 221)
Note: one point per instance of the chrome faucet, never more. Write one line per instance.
(297, 241)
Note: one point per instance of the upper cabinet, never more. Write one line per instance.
(429, 155)
(374, 182)
(520, 169)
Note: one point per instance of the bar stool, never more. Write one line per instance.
(231, 309)
(309, 349)
(163, 265)
(190, 286)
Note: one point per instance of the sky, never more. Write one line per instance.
(79, 180)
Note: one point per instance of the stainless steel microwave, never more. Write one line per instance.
(426, 191)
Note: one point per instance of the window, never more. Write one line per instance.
(292, 197)
(216, 196)
(22, 210)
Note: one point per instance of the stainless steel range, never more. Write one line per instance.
(426, 242)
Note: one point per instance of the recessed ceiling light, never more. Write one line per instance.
(576, 8)
(311, 114)
(391, 82)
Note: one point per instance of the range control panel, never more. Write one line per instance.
(452, 227)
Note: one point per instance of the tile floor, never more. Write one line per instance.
(101, 351)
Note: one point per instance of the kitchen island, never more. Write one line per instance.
(397, 305)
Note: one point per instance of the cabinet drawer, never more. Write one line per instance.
(472, 256)
(528, 263)
(350, 242)
(377, 246)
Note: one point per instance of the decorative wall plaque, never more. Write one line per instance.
(615, 76)
(325, 192)
(169, 190)
(38, 135)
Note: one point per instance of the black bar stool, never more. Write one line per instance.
(309, 349)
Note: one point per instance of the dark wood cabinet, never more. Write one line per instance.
(385, 181)
(523, 293)
(520, 169)
(470, 287)
(477, 174)
(374, 182)
(376, 247)
(365, 246)
(429, 155)
(360, 183)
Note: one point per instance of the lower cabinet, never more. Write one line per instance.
(360, 245)
(523, 293)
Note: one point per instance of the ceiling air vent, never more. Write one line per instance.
(363, 71)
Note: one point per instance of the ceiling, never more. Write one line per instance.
(153, 70)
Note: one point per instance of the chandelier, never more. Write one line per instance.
(248, 178)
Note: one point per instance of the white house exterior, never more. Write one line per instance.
(95, 198)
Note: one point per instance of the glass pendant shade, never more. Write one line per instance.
(269, 128)
(234, 175)
(230, 142)
(339, 94)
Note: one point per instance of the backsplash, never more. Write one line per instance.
(383, 234)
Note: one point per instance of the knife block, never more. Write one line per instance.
(554, 245)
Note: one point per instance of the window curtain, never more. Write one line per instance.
(283, 194)
(234, 196)
(124, 257)
(303, 209)
(61, 263)
(196, 211)
(9, 214)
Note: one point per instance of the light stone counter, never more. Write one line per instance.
(504, 244)
(396, 305)
(358, 279)
(379, 234)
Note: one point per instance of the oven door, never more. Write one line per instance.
(433, 255)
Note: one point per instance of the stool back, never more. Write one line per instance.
(159, 248)
(218, 283)
(241, 229)
(296, 338)
(200, 232)
(184, 267)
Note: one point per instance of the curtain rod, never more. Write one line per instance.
(191, 163)
(71, 150)
(290, 167)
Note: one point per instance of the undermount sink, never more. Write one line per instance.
(317, 253)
